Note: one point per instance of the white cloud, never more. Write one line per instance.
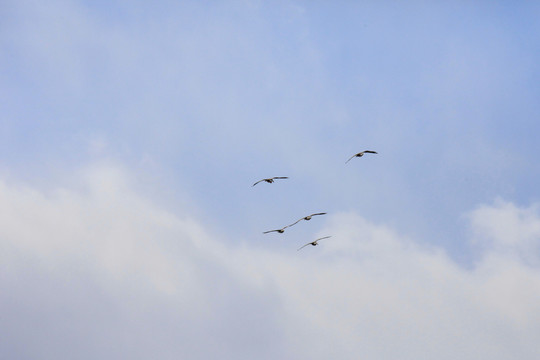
(103, 265)
(508, 229)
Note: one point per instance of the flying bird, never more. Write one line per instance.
(281, 231)
(270, 180)
(360, 154)
(314, 243)
(307, 218)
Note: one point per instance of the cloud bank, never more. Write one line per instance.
(100, 271)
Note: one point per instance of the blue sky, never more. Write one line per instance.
(131, 133)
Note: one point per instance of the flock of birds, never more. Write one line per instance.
(307, 218)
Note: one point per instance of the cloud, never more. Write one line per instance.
(508, 229)
(101, 271)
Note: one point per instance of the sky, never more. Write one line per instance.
(131, 134)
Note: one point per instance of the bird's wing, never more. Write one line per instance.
(326, 237)
(280, 177)
(350, 158)
(304, 246)
(258, 182)
(317, 214)
(294, 223)
(371, 152)
(269, 231)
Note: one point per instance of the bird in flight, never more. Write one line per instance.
(281, 231)
(314, 243)
(307, 218)
(360, 154)
(271, 180)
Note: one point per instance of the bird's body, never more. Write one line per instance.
(360, 154)
(307, 218)
(313, 243)
(270, 180)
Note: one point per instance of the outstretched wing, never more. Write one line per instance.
(317, 214)
(371, 152)
(258, 182)
(280, 177)
(326, 237)
(294, 223)
(269, 231)
(303, 246)
(351, 158)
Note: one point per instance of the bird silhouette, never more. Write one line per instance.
(307, 218)
(360, 154)
(314, 243)
(270, 180)
(281, 231)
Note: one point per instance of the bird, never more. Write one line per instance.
(314, 243)
(270, 180)
(307, 218)
(281, 231)
(360, 154)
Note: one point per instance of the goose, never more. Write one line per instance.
(270, 180)
(360, 154)
(314, 243)
(307, 218)
(281, 231)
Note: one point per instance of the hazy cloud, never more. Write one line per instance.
(102, 271)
